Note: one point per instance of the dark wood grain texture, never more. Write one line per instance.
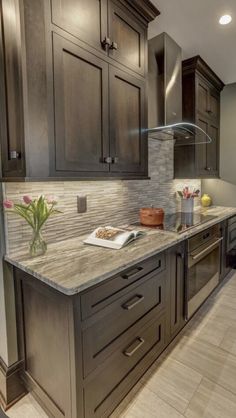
(12, 124)
(201, 105)
(11, 385)
(55, 98)
(128, 116)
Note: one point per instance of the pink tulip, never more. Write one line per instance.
(27, 200)
(52, 200)
(8, 204)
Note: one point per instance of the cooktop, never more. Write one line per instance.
(180, 221)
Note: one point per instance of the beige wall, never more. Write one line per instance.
(223, 191)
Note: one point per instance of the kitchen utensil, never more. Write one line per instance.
(151, 216)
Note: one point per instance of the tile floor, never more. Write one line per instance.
(196, 378)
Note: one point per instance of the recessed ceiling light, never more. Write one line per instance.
(225, 20)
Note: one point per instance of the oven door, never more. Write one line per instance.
(203, 274)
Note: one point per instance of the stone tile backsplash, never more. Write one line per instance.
(109, 202)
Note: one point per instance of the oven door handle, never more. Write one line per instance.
(206, 250)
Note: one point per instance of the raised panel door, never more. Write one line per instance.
(81, 108)
(85, 19)
(128, 139)
(128, 38)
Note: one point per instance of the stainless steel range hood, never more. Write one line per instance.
(165, 95)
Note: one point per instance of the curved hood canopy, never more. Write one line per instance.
(183, 133)
(165, 95)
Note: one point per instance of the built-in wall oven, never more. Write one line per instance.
(203, 267)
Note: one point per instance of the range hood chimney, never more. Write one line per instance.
(165, 95)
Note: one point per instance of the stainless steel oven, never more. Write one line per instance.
(203, 267)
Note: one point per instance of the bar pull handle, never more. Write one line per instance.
(134, 301)
(130, 274)
(206, 250)
(134, 347)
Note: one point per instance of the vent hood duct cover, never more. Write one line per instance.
(165, 95)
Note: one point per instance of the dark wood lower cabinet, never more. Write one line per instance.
(177, 289)
(81, 362)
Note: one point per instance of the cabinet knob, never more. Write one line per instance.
(208, 168)
(209, 111)
(113, 46)
(14, 155)
(107, 160)
(115, 160)
(106, 42)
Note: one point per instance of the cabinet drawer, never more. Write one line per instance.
(119, 316)
(96, 299)
(112, 380)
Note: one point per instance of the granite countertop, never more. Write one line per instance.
(71, 266)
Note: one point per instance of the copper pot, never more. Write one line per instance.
(151, 216)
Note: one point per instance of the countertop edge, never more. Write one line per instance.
(70, 291)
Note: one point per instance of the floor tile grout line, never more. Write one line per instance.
(193, 393)
(221, 386)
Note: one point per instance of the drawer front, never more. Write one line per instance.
(111, 383)
(96, 299)
(119, 316)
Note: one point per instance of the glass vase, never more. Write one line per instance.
(37, 244)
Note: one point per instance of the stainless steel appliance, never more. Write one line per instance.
(165, 95)
(180, 222)
(203, 267)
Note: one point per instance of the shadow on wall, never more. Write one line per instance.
(222, 192)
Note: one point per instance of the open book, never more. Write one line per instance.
(110, 237)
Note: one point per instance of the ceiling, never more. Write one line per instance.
(194, 26)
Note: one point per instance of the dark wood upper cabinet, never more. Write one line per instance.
(127, 123)
(81, 108)
(201, 105)
(72, 84)
(128, 38)
(86, 20)
(11, 101)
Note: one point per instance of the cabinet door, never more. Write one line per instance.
(128, 140)
(201, 149)
(11, 98)
(87, 20)
(81, 108)
(177, 286)
(212, 150)
(214, 105)
(202, 104)
(128, 38)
